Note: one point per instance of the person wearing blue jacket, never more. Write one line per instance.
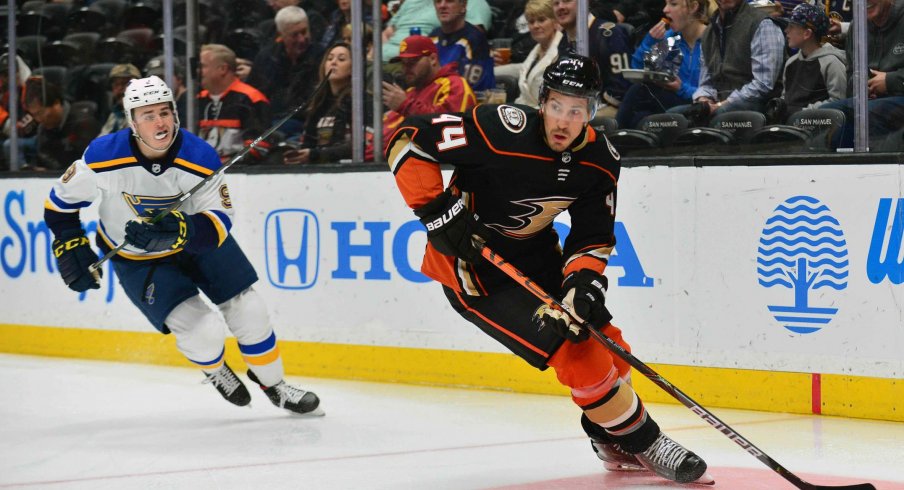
(685, 21)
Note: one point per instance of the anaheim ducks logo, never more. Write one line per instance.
(513, 118)
(540, 213)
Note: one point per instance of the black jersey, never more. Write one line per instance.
(516, 184)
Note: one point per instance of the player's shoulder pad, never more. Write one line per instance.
(111, 147)
(196, 151)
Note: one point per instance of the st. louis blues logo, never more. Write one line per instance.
(149, 294)
(802, 247)
(140, 204)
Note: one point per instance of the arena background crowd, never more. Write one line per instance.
(681, 76)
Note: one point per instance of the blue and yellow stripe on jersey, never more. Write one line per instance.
(54, 203)
(221, 223)
(261, 353)
(111, 152)
(214, 364)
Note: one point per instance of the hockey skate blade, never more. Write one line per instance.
(316, 413)
(706, 479)
(623, 467)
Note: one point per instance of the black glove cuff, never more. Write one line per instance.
(436, 205)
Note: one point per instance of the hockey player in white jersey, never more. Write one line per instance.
(135, 173)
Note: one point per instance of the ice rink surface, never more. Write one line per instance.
(74, 424)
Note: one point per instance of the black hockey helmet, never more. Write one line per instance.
(572, 74)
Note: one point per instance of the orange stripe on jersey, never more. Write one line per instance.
(418, 180)
(196, 168)
(585, 262)
(498, 151)
(112, 163)
(252, 93)
(499, 327)
(591, 164)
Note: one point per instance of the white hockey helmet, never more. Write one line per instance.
(147, 91)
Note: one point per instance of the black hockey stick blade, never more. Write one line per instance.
(657, 379)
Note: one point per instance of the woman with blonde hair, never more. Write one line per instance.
(545, 31)
(685, 20)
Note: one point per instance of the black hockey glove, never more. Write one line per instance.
(585, 294)
(171, 232)
(74, 256)
(560, 323)
(451, 228)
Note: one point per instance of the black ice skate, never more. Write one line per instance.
(229, 385)
(289, 397)
(672, 461)
(615, 458)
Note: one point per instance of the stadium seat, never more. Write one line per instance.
(86, 19)
(35, 5)
(740, 124)
(57, 75)
(604, 124)
(141, 14)
(33, 23)
(629, 142)
(808, 130)
(30, 48)
(703, 140)
(91, 82)
(61, 53)
(112, 10)
(85, 42)
(114, 50)
(665, 126)
(822, 124)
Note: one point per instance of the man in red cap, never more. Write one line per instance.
(431, 87)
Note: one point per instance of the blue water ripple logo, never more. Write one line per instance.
(802, 247)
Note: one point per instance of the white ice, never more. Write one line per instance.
(75, 424)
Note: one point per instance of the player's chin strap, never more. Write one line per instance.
(647, 371)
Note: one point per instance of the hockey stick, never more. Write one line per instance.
(647, 371)
(184, 197)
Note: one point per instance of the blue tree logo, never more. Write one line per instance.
(802, 247)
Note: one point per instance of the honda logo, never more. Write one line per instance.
(292, 248)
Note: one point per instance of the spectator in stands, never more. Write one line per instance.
(610, 46)
(420, 15)
(458, 41)
(317, 11)
(687, 21)
(743, 55)
(120, 76)
(885, 60)
(545, 31)
(341, 17)
(155, 66)
(286, 70)
(327, 134)
(816, 73)
(26, 127)
(63, 133)
(432, 87)
(233, 113)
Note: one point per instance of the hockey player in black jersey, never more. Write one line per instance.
(517, 168)
(136, 172)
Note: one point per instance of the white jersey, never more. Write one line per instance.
(128, 184)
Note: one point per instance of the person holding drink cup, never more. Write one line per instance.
(544, 29)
